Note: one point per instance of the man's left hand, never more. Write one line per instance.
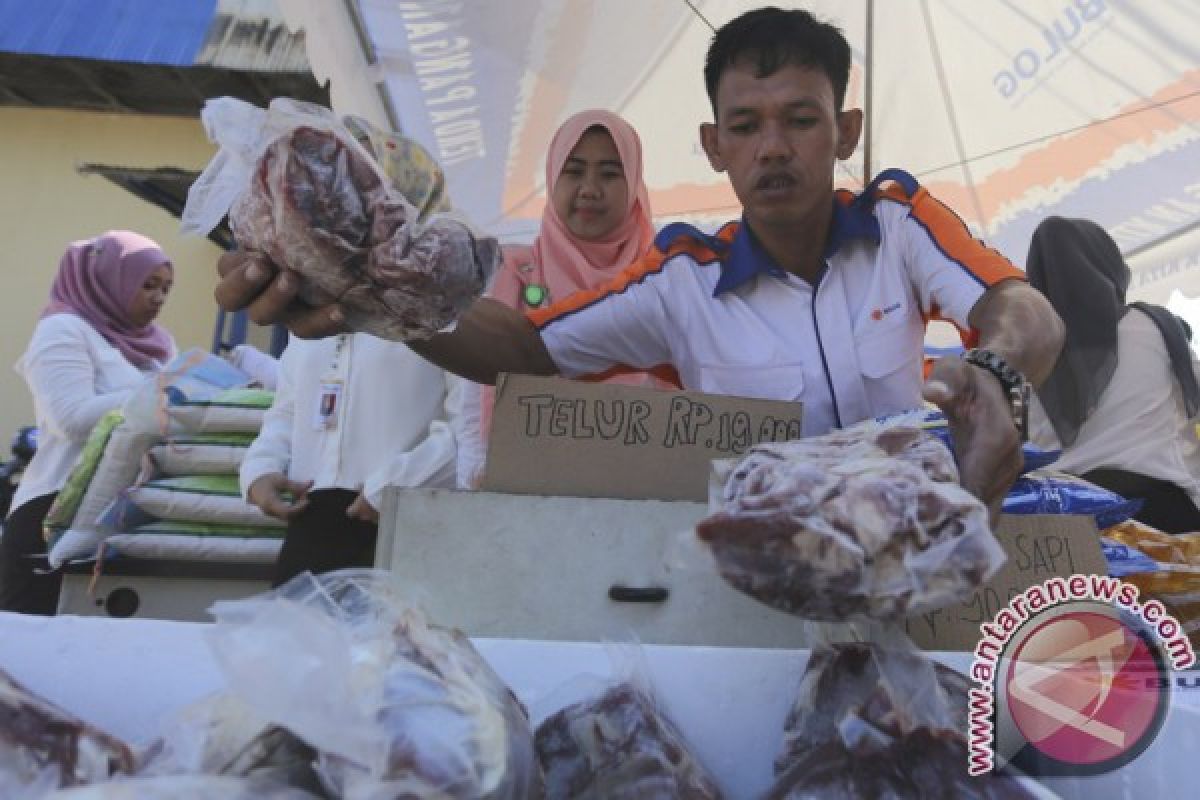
(987, 442)
(362, 510)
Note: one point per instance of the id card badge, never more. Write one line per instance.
(329, 401)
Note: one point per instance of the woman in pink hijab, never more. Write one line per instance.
(597, 221)
(95, 342)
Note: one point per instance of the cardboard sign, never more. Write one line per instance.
(552, 436)
(1039, 548)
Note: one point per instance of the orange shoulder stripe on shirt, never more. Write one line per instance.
(968, 336)
(953, 238)
(664, 373)
(649, 264)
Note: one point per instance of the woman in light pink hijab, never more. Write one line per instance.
(95, 343)
(597, 218)
(596, 222)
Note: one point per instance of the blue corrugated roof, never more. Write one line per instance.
(145, 31)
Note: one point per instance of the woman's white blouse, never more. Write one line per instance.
(76, 377)
(1140, 423)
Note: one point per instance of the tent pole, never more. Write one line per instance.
(371, 55)
(868, 81)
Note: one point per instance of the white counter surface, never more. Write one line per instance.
(128, 675)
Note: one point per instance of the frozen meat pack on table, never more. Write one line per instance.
(619, 744)
(882, 722)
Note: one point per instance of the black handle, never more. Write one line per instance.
(633, 594)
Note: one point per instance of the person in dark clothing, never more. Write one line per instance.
(1123, 396)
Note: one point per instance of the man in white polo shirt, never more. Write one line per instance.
(814, 295)
(728, 319)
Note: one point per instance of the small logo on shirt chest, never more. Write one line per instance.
(880, 313)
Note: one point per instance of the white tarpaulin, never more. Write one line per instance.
(1008, 110)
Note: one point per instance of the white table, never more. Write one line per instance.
(128, 675)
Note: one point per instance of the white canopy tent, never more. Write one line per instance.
(1008, 110)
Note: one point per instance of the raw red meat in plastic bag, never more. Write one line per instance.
(43, 747)
(319, 205)
(868, 521)
(618, 746)
(885, 723)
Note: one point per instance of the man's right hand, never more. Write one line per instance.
(490, 337)
(251, 282)
(267, 492)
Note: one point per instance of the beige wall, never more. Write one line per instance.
(45, 203)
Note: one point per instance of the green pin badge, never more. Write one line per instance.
(534, 295)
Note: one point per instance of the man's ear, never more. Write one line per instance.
(850, 125)
(708, 140)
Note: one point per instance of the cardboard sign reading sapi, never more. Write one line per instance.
(1039, 547)
(552, 436)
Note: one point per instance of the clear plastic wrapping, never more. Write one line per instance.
(619, 745)
(300, 188)
(185, 787)
(882, 722)
(395, 706)
(221, 735)
(42, 747)
(867, 521)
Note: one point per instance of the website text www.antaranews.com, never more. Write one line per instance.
(997, 634)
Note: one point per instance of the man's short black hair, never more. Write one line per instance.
(771, 38)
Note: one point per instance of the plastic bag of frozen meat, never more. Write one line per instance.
(865, 522)
(885, 722)
(395, 705)
(43, 747)
(618, 744)
(189, 787)
(221, 735)
(301, 188)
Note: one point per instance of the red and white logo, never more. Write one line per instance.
(1073, 678)
(1080, 691)
(879, 313)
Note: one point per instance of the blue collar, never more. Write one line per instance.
(746, 257)
(851, 221)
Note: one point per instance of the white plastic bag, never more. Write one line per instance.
(300, 188)
(242, 133)
(395, 705)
